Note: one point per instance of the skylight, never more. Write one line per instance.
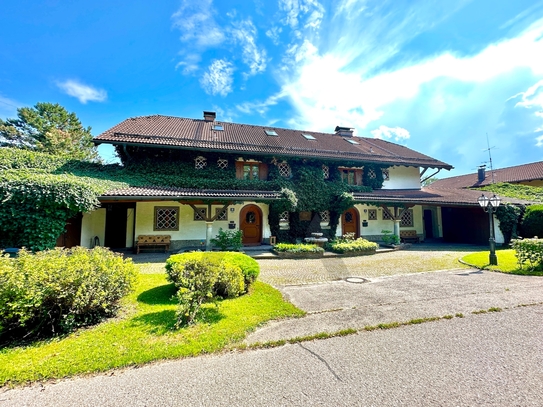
(218, 127)
(271, 132)
(352, 141)
(309, 137)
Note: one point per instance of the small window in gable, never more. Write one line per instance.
(200, 163)
(284, 169)
(386, 174)
(222, 163)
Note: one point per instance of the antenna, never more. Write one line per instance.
(490, 157)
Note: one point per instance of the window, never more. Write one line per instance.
(222, 163)
(372, 174)
(325, 172)
(250, 170)
(200, 163)
(386, 174)
(386, 216)
(284, 217)
(308, 137)
(200, 214)
(222, 214)
(166, 218)
(372, 214)
(271, 132)
(218, 127)
(407, 218)
(325, 217)
(348, 176)
(284, 169)
(352, 141)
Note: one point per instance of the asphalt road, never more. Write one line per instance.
(492, 359)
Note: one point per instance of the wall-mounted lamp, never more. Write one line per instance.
(232, 209)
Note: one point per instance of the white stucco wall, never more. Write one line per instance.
(93, 224)
(130, 227)
(401, 177)
(500, 238)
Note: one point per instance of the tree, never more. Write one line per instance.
(48, 128)
(429, 181)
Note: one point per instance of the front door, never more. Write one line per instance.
(115, 235)
(428, 224)
(251, 225)
(350, 223)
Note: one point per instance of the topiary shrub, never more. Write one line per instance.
(360, 245)
(205, 277)
(55, 291)
(532, 223)
(528, 251)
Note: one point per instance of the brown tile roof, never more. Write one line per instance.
(177, 132)
(185, 193)
(519, 173)
(427, 196)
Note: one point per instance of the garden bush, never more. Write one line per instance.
(228, 239)
(297, 248)
(532, 223)
(389, 237)
(248, 266)
(55, 291)
(359, 245)
(205, 276)
(528, 251)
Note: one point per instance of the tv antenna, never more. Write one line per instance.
(490, 157)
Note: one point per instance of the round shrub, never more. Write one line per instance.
(56, 291)
(532, 223)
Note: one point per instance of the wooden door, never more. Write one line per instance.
(350, 222)
(72, 236)
(116, 221)
(251, 225)
(428, 224)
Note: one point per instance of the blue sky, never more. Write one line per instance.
(435, 76)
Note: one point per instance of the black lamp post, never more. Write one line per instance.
(491, 206)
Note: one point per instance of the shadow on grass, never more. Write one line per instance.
(162, 322)
(161, 295)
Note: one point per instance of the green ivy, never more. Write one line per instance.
(509, 217)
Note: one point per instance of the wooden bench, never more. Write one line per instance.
(409, 236)
(153, 241)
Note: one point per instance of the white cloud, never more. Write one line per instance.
(190, 64)
(398, 134)
(218, 78)
(297, 9)
(84, 93)
(273, 33)
(245, 34)
(197, 24)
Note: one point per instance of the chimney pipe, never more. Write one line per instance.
(344, 131)
(481, 175)
(209, 116)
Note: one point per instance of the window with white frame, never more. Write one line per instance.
(325, 217)
(166, 218)
(284, 169)
(221, 214)
(222, 163)
(284, 217)
(200, 162)
(200, 214)
(407, 218)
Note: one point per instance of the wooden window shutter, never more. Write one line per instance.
(358, 177)
(263, 171)
(239, 169)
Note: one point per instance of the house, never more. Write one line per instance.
(270, 183)
(527, 174)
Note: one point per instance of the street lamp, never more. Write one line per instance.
(491, 206)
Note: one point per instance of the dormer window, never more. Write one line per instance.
(200, 162)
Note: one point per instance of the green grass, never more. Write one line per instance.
(507, 263)
(142, 333)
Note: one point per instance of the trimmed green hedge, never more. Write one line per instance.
(297, 248)
(353, 246)
(55, 291)
(528, 251)
(532, 223)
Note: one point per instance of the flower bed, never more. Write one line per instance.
(298, 251)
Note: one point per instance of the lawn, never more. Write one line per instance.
(143, 332)
(507, 263)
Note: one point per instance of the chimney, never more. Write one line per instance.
(209, 116)
(481, 175)
(344, 131)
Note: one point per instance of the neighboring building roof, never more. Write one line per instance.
(170, 193)
(518, 173)
(426, 196)
(177, 132)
